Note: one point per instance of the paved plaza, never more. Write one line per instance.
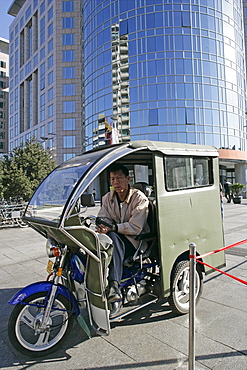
(152, 338)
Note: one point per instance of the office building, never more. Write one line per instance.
(93, 72)
(185, 74)
(4, 94)
(46, 75)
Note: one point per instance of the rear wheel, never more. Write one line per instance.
(179, 298)
(24, 325)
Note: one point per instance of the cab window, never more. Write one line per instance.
(187, 172)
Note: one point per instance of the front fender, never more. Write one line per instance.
(44, 286)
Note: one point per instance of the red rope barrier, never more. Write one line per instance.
(223, 272)
(222, 249)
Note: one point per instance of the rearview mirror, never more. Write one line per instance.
(87, 200)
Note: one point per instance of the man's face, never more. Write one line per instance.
(119, 181)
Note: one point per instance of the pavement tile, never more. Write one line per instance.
(152, 338)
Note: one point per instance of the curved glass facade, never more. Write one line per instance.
(164, 70)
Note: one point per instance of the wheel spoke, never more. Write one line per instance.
(27, 318)
(42, 339)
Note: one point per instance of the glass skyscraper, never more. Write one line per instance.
(165, 70)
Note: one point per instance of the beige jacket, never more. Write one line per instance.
(130, 216)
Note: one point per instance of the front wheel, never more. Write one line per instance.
(24, 325)
(179, 298)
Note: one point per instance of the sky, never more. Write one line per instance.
(5, 19)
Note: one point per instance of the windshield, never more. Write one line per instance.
(49, 199)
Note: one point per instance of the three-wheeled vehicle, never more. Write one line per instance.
(182, 183)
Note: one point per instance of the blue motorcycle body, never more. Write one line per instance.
(44, 286)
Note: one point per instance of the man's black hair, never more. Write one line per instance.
(118, 167)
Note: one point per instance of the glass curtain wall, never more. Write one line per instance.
(164, 70)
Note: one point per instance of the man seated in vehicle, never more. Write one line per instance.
(127, 209)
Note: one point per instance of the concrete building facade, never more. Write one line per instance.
(85, 73)
(4, 94)
(46, 75)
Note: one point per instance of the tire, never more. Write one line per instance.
(21, 326)
(179, 298)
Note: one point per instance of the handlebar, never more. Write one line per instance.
(97, 221)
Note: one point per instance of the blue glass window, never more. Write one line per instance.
(69, 141)
(42, 76)
(50, 77)
(68, 89)
(28, 13)
(50, 13)
(50, 45)
(50, 95)
(68, 156)
(68, 22)
(50, 29)
(68, 56)
(42, 7)
(68, 6)
(50, 61)
(50, 110)
(69, 39)
(42, 30)
(42, 108)
(68, 72)
(69, 124)
(153, 117)
(69, 107)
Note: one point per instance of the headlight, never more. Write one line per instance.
(52, 250)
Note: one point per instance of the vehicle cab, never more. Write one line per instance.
(184, 183)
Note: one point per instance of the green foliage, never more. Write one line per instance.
(24, 169)
(236, 188)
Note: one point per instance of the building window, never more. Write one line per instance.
(68, 22)
(42, 53)
(50, 61)
(21, 22)
(50, 94)
(50, 13)
(42, 76)
(69, 107)
(68, 124)
(28, 13)
(50, 110)
(42, 131)
(68, 6)
(35, 60)
(42, 30)
(50, 127)
(50, 45)
(42, 107)
(68, 56)
(22, 48)
(68, 156)
(68, 39)
(28, 68)
(42, 7)
(50, 77)
(50, 29)
(68, 89)
(30, 103)
(68, 72)
(69, 141)
(30, 40)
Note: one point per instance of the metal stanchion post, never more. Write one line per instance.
(192, 307)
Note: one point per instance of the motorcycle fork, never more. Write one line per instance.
(45, 318)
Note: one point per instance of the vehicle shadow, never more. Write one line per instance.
(10, 357)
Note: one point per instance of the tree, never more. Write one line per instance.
(24, 169)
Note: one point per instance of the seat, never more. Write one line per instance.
(151, 237)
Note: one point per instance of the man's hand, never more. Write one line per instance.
(102, 229)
